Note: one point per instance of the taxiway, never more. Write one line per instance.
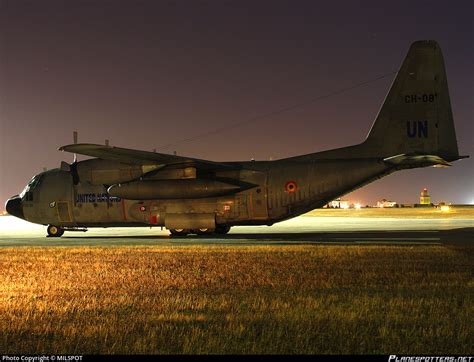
(302, 230)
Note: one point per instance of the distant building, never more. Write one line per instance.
(425, 198)
(386, 203)
(339, 204)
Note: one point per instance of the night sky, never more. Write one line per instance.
(150, 74)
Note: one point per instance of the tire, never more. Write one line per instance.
(204, 231)
(222, 229)
(179, 232)
(54, 231)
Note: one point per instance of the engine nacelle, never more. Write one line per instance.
(106, 172)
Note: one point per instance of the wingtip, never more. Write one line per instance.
(65, 147)
(71, 147)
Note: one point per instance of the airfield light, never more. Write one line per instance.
(445, 208)
(344, 206)
(357, 206)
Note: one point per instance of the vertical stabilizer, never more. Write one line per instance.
(416, 116)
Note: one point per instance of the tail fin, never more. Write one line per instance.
(416, 117)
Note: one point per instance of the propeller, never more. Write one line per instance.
(72, 168)
(75, 142)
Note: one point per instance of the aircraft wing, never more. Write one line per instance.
(137, 157)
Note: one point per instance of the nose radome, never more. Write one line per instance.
(14, 207)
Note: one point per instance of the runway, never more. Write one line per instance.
(302, 230)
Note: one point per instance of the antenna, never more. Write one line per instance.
(107, 143)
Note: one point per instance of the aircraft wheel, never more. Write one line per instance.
(179, 232)
(204, 231)
(222, 229)
(54, 231)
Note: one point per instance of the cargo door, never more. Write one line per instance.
(56, 198)
(64, 211)
(257, 196)
(241, 206)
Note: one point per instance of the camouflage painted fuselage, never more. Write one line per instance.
(284, 189)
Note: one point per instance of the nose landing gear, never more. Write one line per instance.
(54, 231)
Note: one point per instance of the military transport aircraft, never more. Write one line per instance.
(124, 187)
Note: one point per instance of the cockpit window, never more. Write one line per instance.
(34, 181)
(27, 193)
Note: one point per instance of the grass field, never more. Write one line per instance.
(221, 299)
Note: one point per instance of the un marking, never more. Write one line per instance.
(417, 129)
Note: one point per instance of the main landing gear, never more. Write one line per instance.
(179, 232)
(220, 230)
(54, 231)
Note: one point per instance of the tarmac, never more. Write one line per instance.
(304, 230)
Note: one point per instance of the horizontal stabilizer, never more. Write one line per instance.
(417, 161)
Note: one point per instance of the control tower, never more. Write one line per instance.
(425, 198)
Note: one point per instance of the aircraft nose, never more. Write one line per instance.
(14, 207)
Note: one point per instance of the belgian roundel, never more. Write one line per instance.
(290, 186)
